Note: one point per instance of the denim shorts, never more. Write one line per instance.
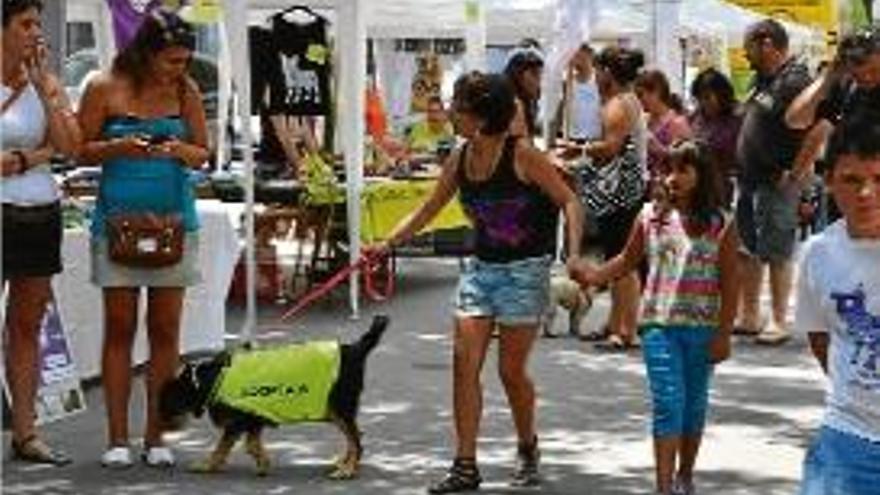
(679, 372)
(839, 463)
(767, 221)
(512, 294)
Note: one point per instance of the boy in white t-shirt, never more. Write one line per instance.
(838, 306)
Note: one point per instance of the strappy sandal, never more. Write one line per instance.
(34, 450)
(611, 343)
(526, 472)
(463, 476)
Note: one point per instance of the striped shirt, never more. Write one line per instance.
(683, 283)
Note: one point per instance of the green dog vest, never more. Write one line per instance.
(284, 385)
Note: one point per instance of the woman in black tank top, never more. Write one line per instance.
(512, 195)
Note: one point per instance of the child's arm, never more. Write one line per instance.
(729, 284)
(588, 274)
(819, 346)
(808, 314)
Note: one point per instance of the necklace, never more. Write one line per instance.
(482, 162)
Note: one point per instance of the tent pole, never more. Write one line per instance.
(237, 35)
(350, 115)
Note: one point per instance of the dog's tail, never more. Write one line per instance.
(371, 338)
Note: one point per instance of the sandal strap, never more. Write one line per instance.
(463, 475)
(33, 449)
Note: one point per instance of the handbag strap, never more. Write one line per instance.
(12, 98)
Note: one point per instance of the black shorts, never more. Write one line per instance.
(31, 240)
(613, 230)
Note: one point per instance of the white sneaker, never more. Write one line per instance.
(117, 458)
(158, 457)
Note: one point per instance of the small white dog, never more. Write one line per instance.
(567, 294)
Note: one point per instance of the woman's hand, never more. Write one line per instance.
(719, 348)
(38, 71)
(11, 164)
(376, 250)
(131, 146)
(169, 148)
(585, 273)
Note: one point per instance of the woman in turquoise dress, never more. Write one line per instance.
(144, 123)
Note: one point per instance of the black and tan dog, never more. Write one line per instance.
(231, 387)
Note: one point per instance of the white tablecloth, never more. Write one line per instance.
(204, 313)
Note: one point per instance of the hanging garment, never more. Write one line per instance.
(305, 61)
(128, 15)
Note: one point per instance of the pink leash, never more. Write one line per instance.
(370, 265)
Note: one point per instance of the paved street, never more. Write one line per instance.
(592, 417)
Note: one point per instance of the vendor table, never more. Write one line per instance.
(204, 314)
(387, 201)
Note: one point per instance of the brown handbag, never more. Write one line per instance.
(145, 240)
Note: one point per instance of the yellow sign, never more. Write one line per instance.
(818, 13)
(741, 72)
(202, 11)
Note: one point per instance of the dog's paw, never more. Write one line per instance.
(263, 466)
(343, 469)
(343, 473)
(205, 466)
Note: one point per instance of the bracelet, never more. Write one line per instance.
(23, 163)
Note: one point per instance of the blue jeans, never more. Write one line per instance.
(512, 294)
(679, 372)
(839, 463)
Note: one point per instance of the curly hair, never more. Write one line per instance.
(488, 96)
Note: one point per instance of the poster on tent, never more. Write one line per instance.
(59, 393)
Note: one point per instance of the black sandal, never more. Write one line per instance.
(34, 450)
(527, 458)
(463, 476)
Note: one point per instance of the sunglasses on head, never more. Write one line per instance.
(174, 30)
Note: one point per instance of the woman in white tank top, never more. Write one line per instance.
(35, 122)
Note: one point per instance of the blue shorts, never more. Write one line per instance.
(839, 463)
(512, 294)
(767, 221)
(679, 372)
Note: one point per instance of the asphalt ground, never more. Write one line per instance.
(592, 415)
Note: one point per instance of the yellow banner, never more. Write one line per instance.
(202, 11)
(385, 204)
(820, 13)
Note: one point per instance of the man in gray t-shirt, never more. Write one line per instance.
(766, 209)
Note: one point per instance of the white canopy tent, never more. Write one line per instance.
(664, 22)
(354, 21)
